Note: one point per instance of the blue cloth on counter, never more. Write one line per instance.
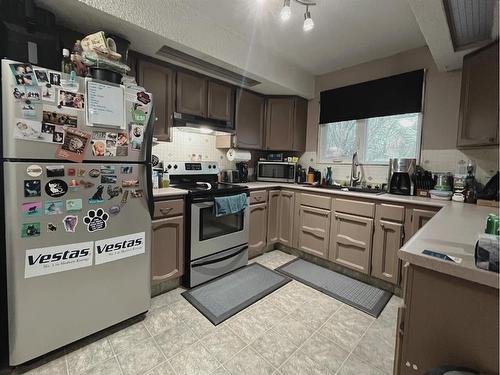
(230, 204)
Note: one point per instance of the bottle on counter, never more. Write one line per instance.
(165, 180)
(66, 64)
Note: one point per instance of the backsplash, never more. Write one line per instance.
(434, 160)
(191, 146)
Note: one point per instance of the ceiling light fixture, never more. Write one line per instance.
(308, 22)
(286, 13)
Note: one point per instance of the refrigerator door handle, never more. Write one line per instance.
(148, 146)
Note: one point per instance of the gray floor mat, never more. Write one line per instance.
(225, 296)
(355, 293)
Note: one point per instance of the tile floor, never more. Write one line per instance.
(295, 330)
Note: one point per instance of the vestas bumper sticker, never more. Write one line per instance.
(116, 248)
(48, 260)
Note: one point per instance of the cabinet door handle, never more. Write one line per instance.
(382, 225)
(336, 217)
(156, 118)
(165, 211)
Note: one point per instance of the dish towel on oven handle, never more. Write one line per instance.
(230, 204)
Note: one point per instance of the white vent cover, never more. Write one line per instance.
(470, 22)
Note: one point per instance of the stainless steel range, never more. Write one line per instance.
(214, 245)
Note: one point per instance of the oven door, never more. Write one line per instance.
(211, 234)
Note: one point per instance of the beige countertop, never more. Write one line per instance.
(380, 197)
(454, 231)
(168, 192)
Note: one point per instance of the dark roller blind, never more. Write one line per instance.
(388, 96)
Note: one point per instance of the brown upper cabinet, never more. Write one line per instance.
(200, 96)
(478, 120)
(191, 94)
(250, 111)
(159, 80)
(220, 101)
(286, 122)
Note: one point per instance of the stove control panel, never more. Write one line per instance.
(191, 167)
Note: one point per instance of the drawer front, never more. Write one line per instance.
(171, 208)
(317, 201)
(390, 212)
(358, 208)
(258, 196)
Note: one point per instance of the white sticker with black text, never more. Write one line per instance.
(53, 259)
(111, 249)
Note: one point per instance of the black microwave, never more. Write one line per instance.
(276, 171)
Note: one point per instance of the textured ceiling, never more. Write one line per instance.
(248, 37)
(346, 33)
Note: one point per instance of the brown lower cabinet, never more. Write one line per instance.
(167, 252)
(416, 219)
(314, 230)
(388, 238)
(351, 241)
(445, 320)
(286, 213)
(258, 229)
(273, 216)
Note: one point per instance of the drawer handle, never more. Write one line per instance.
(165, 211)
(382, 225)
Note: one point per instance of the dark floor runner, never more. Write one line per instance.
(225, 296)
(355, 293)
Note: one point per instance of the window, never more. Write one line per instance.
(376, 139)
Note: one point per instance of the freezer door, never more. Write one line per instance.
(73, 267)
(35, 130)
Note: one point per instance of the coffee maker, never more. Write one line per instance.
(242, 168)
(401, 173)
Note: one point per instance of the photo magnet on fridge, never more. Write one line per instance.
(136, 136)
(70, 99)
(137, 193)
(41, 76)
(94, 173)
(48, 93)
(130, 183)
(70, 222)
(108, 169)
(32, 188)
(108, 179)
(51, 227)
(51, 116)
(126, 170)
(55, 78)
(34, 170)
(28, 110)
(73, 185)
(19, 93)
(97, 197)
(33, 94)
(30, 230)
(113, 191)
(56, 188)
(55, 170)
(71, 172)
(23, 74)
(86, 184)
(73, 205)
(96, 220)
(53, 207)
(33, 209)
(74, 146)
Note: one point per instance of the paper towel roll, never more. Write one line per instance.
(238, 155)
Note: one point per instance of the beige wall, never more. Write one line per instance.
(442, 95)
(440, 120)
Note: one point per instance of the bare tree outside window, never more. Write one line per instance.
(376, 139)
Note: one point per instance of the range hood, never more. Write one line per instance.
(201, 125)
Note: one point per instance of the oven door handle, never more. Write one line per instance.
(220, 259)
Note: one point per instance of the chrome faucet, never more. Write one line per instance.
(355, 174)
